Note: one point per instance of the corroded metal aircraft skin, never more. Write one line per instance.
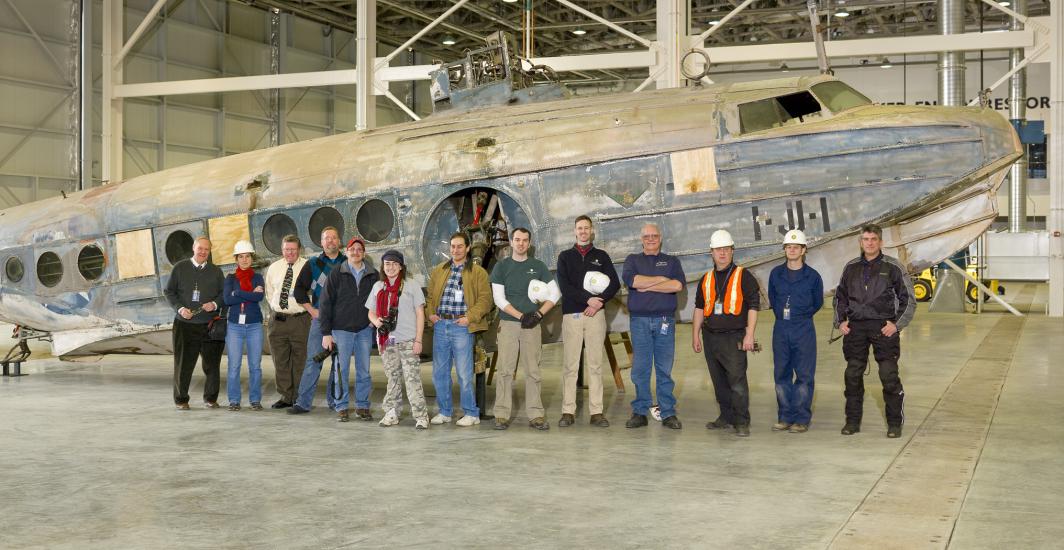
(692, 160)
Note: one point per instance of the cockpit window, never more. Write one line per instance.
(777, 111)
(838, 97)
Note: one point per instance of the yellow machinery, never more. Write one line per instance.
(924, 285)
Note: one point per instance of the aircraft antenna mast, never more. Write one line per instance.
(818, 38)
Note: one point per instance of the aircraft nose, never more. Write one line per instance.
(1000, 140)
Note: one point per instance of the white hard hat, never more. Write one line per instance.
(720, 238)
(243, 247)
(596, 282)
(795, 236)
(537, 291)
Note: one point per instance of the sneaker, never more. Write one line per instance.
(363, 415)
(636, 421)
(600, 421)
(389, 419)
(211, 404)
(655, 413)
(183, 406)
(296, 409)
(501, 424)
(781, 426)
(468, 420)
(719, 424)
(894, 431)
(342, 416)
(742, 430)
(798, 428)
(256, 406)
(539, 423)
(421, 424)
(234, 406)
(566, 420)
(441, 419)
(850, 428)
(672, 423)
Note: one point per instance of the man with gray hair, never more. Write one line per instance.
(289, 322)
(195, 292)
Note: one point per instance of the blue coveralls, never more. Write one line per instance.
(794, 340)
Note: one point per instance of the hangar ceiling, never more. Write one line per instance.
(556, 26)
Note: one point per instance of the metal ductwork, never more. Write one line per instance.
(1018, 114)
(951, 64)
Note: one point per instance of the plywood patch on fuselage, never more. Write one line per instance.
(694, 171)
(134, 254)
(224, 233)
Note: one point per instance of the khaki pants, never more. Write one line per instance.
(525, 344)
(288, 348)
(579, 331)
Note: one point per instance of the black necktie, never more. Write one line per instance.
(285, 287)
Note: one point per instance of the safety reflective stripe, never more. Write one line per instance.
(732, 302)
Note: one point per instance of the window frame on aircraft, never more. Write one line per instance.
(186, 250)
(837, 97)
(785, 109)
(315, 223)
(14, 261)
(86, 267)
(268, 233)
(49, 278)
(374, 234)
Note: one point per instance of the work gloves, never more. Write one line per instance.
(530, 320)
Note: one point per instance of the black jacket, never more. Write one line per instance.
(343, 302)
(570, 274)
(876, 290)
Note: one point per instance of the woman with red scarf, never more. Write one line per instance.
(398, 311)
(242, 293)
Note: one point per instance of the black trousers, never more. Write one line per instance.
(190, 343)
(865, 334)
(727, 370)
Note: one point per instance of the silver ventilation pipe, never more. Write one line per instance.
(1018, 112)
(951, 64)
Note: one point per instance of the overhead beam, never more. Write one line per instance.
(141, 29)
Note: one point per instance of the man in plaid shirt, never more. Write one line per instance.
(459, 301)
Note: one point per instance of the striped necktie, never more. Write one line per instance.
(285, 287)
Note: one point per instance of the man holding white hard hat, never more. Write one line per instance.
(587, 280)
(524, 291)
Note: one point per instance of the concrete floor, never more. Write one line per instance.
(93, 454)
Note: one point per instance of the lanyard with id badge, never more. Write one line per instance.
(243, 317)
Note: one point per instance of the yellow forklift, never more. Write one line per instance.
(924, 285)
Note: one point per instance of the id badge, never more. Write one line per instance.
(786, 314)
(195, 295)
(243, 319)
(391, 340)
(459, 296)
(665, 328)
(577, 315)
(718, 309)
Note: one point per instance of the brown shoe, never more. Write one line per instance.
(211, 404)
(566, 420)
(342, 416)
(600, 421)
(363, 415)
(501, 424)
(183, 407)
(539, 423)
(799, 428)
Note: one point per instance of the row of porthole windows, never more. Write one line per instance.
(374, 221)
(50, 268)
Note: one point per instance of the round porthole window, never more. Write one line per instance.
(14, 270)
(274, 231)
(49, 269)
(323, 217)
(375, 220)
(178, 246)
(91, 262)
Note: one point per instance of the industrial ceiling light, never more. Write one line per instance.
(885, 64)
(1004, 4)
(714, 22)
(579, 32)
(449, 40)
(840, 11)
(509, 1)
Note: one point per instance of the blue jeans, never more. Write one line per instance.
(653, 350)
(308, 384)
(357, 344)
(451, 341)
(237, 337)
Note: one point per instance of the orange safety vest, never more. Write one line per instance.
(733, 293)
